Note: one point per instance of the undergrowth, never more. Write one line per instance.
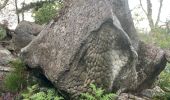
(97, 94)
(15, 80)
(36, 93)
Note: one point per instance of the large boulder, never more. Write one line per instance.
(24, 33)
(91, 43)
(151, 62)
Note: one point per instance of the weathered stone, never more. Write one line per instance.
(151, 63)
(85, 40)
(126, 96)
(150, 93)
(24, 33)
(5, 56)
(88, 43)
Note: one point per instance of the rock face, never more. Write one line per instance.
(151, 62)
(24, 33)
(5, 58)
(91, 43)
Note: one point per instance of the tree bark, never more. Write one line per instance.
(16, 8)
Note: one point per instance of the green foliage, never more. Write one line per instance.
(15, 80)
(97, 94)
(164, 81)
(158, 37)
(35, 93)
(46, 12)
(2, 33)
(18, 66)
(30, 91)
(162, 96)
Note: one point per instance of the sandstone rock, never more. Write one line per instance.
(151, 62)
(5, 56)
(91, 43)
(83, 48)
(150, 93)
(24, 33)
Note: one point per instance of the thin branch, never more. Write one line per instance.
(142, 7)
(16, 8)
(159, 12)
(4, 4)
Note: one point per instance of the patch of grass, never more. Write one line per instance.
(16, 79)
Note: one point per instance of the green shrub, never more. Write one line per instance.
(97, 94)
(164, 79)
(13, 82)
(46, 12)
(35, 93)
(18, 66)
(16, 79)
(162, 96)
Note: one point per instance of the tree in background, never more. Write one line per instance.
(16, 8)
(148, 13)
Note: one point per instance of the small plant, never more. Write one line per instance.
(162, 96)
(97, 94)
(16, 79)
(46, 12)
(35, 93)
(30, 91)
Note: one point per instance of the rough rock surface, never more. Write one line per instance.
(5, 58)
(89, 44)
(24, 33)
(150, 64)
(126, 96)
(150, 93)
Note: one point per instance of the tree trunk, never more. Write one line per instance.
(148, 13)
(94, 41)
(159, 13)
(16, 8)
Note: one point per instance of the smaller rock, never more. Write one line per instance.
(5, 56)
(127, 96)
(150, 93)
(25, 33)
